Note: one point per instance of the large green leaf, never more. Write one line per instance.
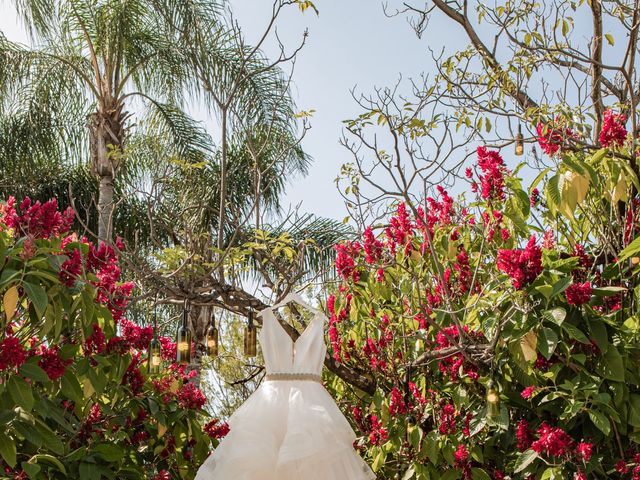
(524, 460)
(600, 420)
(8, 449)
(38, 297)
(611, 365)
(20, 392)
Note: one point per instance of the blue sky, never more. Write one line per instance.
(351, 44)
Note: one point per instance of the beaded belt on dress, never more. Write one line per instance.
(310, 377)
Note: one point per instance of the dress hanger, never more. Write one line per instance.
(294, 297)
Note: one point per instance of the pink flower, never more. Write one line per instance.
(397, 404)
(461, 454)
(585, 450)
(345, 260)
(417, 395)
(162, 475)
(492, 178)
(621, 467)
(372, 246)
(38, 220)
(535, 196)
(522, 265)
(12, 353)
(528, 392)
(378, 434)
(580, 475)
(138, 337)
(190, 397)
(216, 429)
(447, 420)
(552, 441)
(613, 133)
(578, 293)
(167, 348)
(523, 436)
(71, 268)
(95, 343)
(552, 136)
(52, 363)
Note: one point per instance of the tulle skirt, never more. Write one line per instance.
(287, 430)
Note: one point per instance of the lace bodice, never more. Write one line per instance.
(281, 353)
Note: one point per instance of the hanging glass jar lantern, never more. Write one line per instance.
(155, 356)
(493, 400)
(250, 336)
(183, 339)
(211, 337)
(154, 361)
(519, 142)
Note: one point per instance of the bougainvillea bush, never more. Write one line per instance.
(501, 327)
(75, 397)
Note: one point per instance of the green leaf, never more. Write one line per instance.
(575, 333)
(630, 250)
(561, 285)
(31, 469)
(43, 458)
(88, 471)
(547, 342)
(556, 315)
(20, 392)
(71, 388)
(110, 452)
(34, 372)
(524, 460)
(479, 474)
(415, 437)
(8, 449)
(601, 421)
(634, 410)
(408, 475)
(611, 365)
(608, 291)
(38, 297)
(610, 39)
(378, 461)
(51, 440)
(451, 475)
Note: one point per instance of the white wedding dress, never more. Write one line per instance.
(290, 428)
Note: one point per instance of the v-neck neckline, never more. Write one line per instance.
(306, 329)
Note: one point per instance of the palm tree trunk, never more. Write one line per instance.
(223, 191)
(105, 208)
(107, 138)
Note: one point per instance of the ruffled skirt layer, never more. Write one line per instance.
(287, 430)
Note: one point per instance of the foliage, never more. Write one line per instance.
(502, 331)
(75, 397)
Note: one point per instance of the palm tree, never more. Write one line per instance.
(98, 69)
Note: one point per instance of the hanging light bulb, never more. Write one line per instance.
(250, 337)
(493, 400)
(212, 338)
(519, 142)
(183, 339)
(155, 356)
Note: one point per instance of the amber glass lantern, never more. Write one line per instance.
(211, 337)
(155, 356)
(493, 400)
(519, 142)
(250, 336)
(154, 362)
(183, 339)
